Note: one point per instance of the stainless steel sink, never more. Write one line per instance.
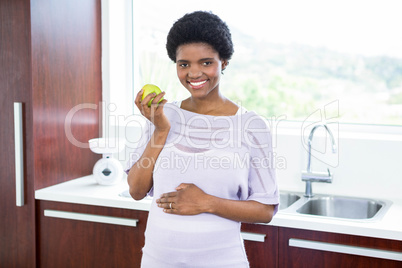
(333, 206)
(342, 207)
(286, 199)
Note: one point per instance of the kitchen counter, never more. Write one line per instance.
(86, 191)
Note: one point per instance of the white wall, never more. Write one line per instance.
(369, 165)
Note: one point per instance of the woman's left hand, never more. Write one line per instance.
(188, 199)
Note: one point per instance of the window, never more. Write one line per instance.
(291, 57)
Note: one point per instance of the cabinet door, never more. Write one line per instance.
(17, 236)
(304, 248)
(261, 244)
(71, 235)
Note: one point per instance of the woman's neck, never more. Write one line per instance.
(213, 105)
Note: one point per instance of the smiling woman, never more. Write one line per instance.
(199, 72)
(296, 56)
(203, 207)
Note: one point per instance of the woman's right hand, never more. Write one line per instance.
(154, 113)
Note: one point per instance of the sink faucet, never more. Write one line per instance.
(309, 176)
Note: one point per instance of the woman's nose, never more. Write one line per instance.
(194, 72)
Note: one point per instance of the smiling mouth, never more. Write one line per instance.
(197, 84)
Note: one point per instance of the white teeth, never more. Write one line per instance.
(198, 83)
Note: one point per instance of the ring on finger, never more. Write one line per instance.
(170, 205)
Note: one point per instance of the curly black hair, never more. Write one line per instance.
(200, 26)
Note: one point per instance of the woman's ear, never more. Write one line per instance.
(225, 63)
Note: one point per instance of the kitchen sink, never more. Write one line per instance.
(333, 206)
(342, 207)
(287, 199)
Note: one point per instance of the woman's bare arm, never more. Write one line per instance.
(191, 200)
(140, 178)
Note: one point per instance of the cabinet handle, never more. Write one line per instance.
(253, 237)
(90, 217)
(19, 154)
(338, 248)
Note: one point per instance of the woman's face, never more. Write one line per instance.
(199, 68)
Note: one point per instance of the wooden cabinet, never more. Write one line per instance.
(304, 248)
(71, 235)
(295, 248)
(50, 65)
(261, 244)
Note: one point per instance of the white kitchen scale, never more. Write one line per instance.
(107, 170)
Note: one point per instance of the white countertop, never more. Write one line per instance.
(86, 191)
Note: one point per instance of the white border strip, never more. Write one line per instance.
(253, 237)
(367, 252)
(19, 154)
(90, 217)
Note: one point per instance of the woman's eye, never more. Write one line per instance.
(183, 65)
(207, 63)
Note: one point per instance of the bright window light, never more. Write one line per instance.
(291, 57)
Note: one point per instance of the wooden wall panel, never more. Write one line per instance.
(66, 74)
(50, 60)
(17, 229)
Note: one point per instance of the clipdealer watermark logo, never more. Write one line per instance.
(327, 118)
(233, 133)
(203, 161)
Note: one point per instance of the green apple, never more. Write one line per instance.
(149, 89)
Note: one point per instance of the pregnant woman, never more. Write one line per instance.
(205, 160)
